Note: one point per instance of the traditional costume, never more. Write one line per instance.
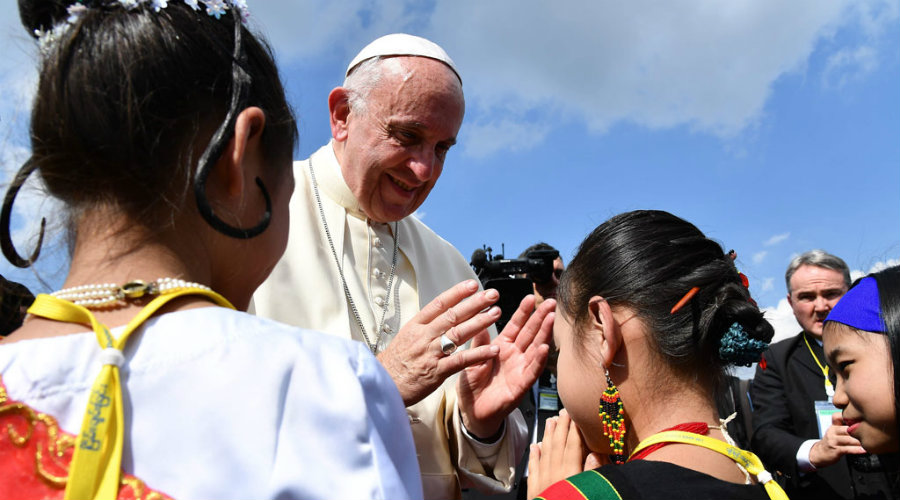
(218, 404)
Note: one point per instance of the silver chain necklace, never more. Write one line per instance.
(373, 345)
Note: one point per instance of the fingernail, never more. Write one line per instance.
(471, 285)
(494, 311)
(495, 349)
(491, 294)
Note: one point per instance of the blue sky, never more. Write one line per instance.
(773, 126)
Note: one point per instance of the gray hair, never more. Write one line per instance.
(366, 76)
(818, 258)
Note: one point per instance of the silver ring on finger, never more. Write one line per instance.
(447, 345)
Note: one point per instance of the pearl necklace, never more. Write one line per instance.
(111, 296)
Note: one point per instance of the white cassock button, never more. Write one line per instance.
(379, 301)
(387, 329)
(377, 243)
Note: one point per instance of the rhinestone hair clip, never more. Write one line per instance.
(214, 8)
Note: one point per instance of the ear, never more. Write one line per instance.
(604, 324)
(790, 302)
(339, 112)
(237, 165)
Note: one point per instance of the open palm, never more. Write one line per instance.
(490, 390)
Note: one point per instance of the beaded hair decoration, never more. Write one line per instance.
(737, 347)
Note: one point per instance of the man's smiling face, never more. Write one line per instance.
(392, 151)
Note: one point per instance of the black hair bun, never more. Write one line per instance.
(42, 14)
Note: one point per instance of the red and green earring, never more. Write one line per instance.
(612, 416)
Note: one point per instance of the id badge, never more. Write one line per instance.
(824, 411)
(548, 396)
(548, 399)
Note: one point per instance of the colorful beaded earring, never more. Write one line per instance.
(612, 416)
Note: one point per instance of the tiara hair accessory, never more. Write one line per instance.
(214, 8)
(736, 347)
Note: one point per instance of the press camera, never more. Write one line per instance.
(512, 277)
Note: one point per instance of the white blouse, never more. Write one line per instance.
(223, 404)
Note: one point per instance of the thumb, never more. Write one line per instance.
(837, 418)
(593, 461)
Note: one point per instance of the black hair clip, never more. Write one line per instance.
(240, 88)
(6, 244)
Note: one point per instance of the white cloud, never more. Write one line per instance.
(782, 319)
(419, 214)
(758, 257)
(776, 239)
(336, 29)
(709, 66)
(18, 75)
(878, 266)
(848, 65)
(484, 138)
(768, 284)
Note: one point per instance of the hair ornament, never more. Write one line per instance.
(736, 347)
(684, 300)
(214, 8)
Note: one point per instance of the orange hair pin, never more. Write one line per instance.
(684, 300)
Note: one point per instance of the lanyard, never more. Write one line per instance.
(97, 461)
(748, 460)
(829, 389)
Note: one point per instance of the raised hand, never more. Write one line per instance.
(489, 391)
(414, 358)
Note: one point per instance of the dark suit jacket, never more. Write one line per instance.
(783, 396)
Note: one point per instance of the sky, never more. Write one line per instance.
(773, 126)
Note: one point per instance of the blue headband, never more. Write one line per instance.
(859, 308)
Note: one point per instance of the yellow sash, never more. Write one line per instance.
(97, 462)
(748, 460)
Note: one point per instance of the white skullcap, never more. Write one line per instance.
(401, 44)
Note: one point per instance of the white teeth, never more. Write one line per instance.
(402, 185)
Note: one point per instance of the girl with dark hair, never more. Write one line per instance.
(163, 126)
(650, 314)
(862, 345)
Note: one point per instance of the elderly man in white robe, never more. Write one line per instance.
(360, 265)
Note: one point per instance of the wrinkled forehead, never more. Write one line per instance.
(422, 73)
(809, 277)
(419, 89)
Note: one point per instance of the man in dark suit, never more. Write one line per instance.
(791, 393)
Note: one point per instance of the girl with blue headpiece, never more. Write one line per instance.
(862, 345)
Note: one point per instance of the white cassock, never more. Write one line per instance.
(224, 404)
(305, 289)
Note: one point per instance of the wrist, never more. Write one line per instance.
(806, 455)
(485, 431)
(493, 438)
